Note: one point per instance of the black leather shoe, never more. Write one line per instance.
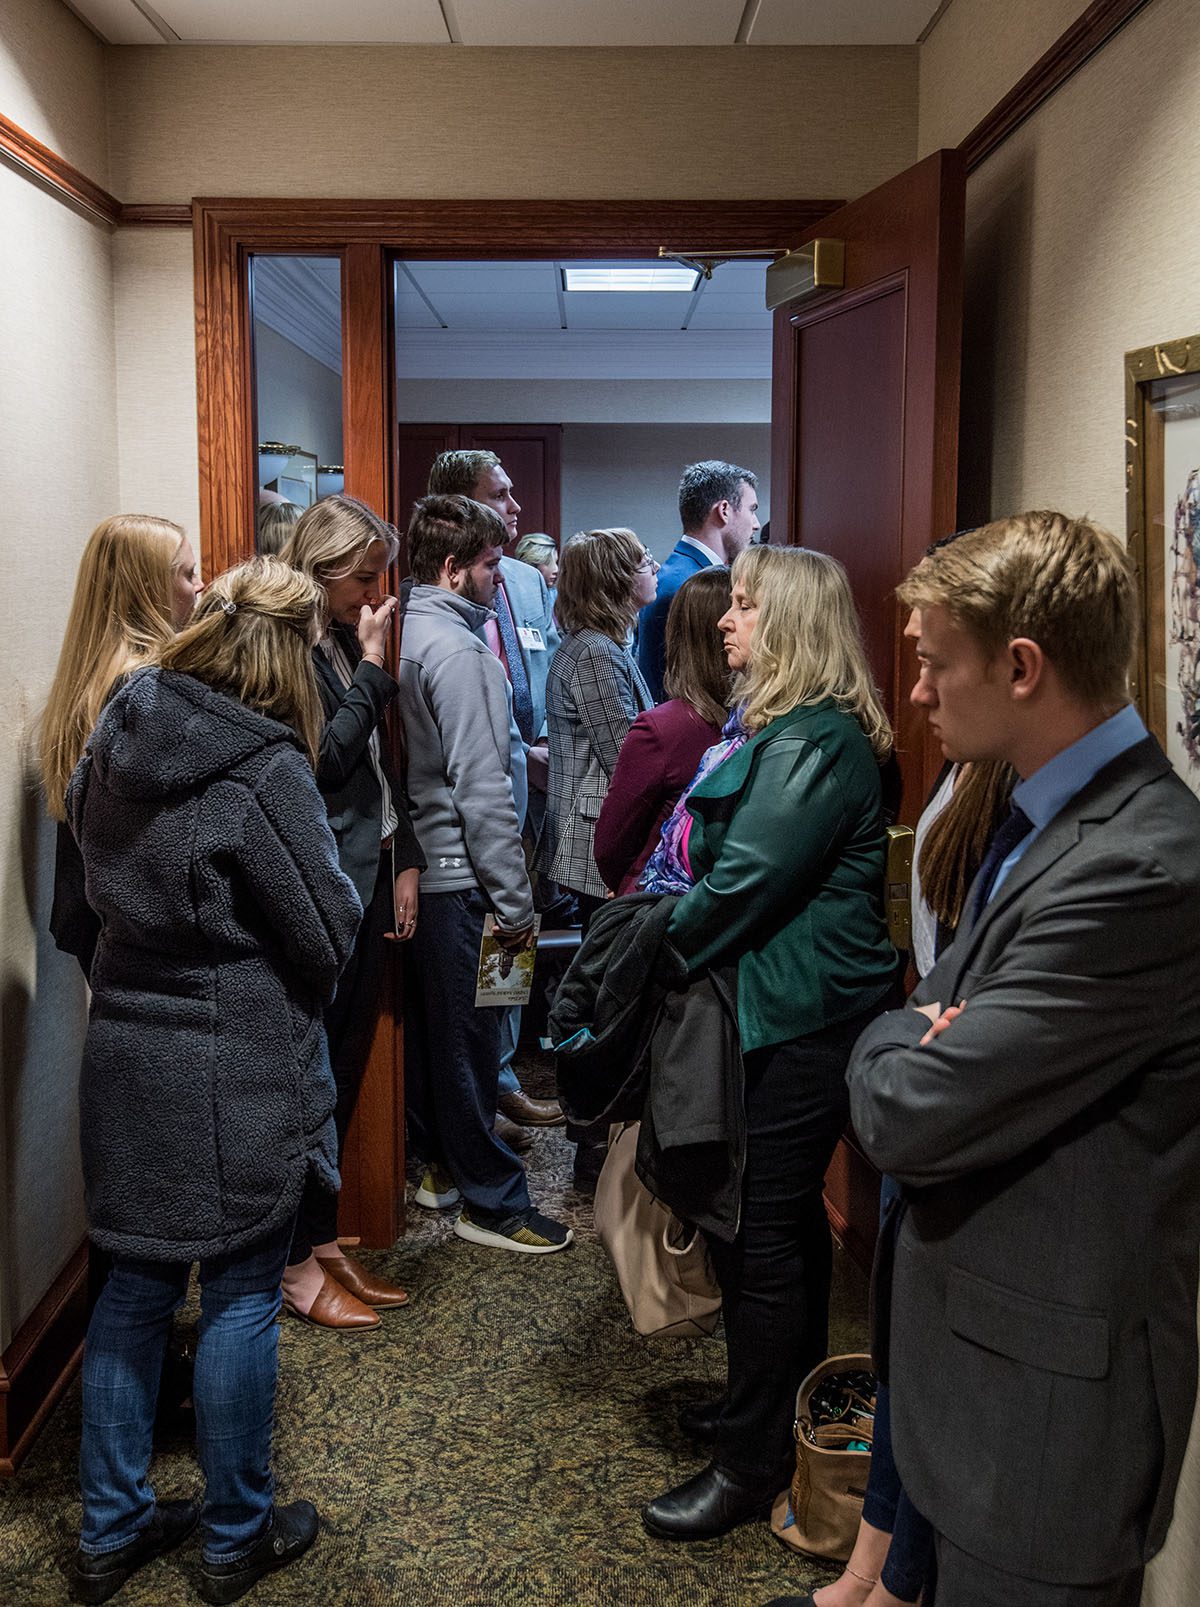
(293, 1529)
(792, 1601)
(97, 1578)
(701, 1422)
(711, 1503)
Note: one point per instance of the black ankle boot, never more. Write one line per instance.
(293, 1529)
(701, 1422)
(96, 1578)
(709, 1504)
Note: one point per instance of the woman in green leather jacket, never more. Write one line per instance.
(782, 851)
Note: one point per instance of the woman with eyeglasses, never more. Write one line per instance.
(594, 694)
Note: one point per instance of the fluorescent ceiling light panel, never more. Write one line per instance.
(631, 279)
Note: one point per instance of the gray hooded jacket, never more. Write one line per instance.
(455, 702)
(206, 1096)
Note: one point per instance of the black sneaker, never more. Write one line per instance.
(528, 1233)
(96, 1578)
(293, 1529)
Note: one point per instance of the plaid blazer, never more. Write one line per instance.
(594, 693)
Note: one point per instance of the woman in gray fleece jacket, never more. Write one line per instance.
(206, 1099)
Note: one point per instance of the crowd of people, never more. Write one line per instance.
(693, 765)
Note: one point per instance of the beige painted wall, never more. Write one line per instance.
(1081, 245)
(584, 401)
(299, 399)
(58, 478)
(977, 51)
(156, 375)
(628, 474)
(52, 82)
(436, 121)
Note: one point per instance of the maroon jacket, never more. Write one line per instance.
(658, 758)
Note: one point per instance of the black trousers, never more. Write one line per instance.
(453, 1059)
(350, 1025)
(965, 1581)
(775, 1276)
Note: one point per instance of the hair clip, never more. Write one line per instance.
(229, 608)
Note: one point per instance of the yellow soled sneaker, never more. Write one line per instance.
(437, 1191)
(528, 1233)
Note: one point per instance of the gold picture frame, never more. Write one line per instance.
(1162, 496)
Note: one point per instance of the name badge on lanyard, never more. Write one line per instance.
(530, 639)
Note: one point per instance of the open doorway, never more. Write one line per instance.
(595, 380)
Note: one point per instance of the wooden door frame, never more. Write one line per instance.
(366, 236)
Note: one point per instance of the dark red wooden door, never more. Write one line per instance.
(865, 414)
(864, 463)
(531, 455)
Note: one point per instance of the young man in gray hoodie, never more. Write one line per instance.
(455, 702)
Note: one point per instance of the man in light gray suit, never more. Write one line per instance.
(1039, 1102)
(523, 637)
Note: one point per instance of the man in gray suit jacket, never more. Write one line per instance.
(1039, 1103)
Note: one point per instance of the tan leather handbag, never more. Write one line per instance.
(820, 1513)
(663, 1267)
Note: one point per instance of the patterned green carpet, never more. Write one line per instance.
(488, 1446)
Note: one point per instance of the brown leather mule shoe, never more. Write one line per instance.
(517, 1138)
(363, 1285)
(527, 1112)
(335, 1307)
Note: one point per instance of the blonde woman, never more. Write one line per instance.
(540, 552)
(136, 587)
(781, 873)
(206, 1101)
(346, 549)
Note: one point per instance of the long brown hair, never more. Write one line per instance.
(597, 582)
(120, 617)
(957, 841)
(697, 671)
(252, 638)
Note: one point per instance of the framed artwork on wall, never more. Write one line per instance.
(1162, 470)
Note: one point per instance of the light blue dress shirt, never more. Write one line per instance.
(1048, 790)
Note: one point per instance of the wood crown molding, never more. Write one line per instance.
(1087, 34)
(54, 170)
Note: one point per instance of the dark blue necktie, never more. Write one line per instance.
(1014, 829)
(522, 697)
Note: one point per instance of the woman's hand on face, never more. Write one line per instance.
(373, 626)
(408, 885)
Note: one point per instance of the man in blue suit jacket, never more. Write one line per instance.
(718, 509)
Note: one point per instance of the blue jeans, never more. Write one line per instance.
(234, 1393)
(452, 1059)
(510, 1031)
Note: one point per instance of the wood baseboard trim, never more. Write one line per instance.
(41, 1361)
(21, 147)
(1090, 31)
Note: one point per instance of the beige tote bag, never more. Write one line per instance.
(663, 1268)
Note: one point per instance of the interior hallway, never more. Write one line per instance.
(488, 1446)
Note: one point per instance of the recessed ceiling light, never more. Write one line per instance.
(631, 279)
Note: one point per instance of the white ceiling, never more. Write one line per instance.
(512, 320)
(509, 22)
